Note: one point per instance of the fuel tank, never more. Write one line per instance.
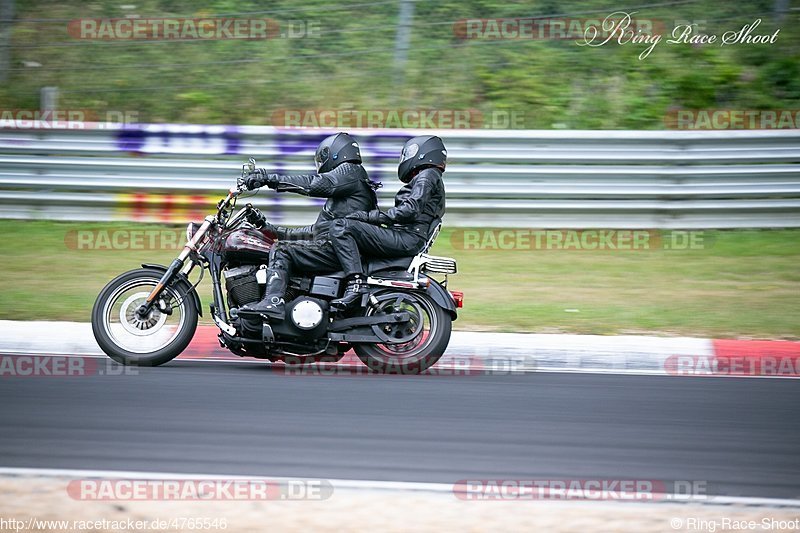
(247, 245)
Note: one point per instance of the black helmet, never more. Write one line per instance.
(420, 152)
(335, 150)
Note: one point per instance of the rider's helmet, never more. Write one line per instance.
(421, 152)
(335, 150)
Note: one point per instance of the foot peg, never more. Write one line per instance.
(266, 334)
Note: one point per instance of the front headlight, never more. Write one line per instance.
(191, 229)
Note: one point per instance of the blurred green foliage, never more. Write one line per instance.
(348, 63)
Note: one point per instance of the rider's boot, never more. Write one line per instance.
(272, 304)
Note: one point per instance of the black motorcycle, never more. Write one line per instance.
(148, 316)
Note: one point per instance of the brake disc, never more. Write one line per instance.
(135, 325)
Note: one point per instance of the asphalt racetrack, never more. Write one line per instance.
(737, 435)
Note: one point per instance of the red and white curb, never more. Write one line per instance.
(488, 353)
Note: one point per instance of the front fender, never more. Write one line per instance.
(442, 298)
(196, 296)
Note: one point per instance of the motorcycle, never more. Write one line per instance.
(148, 316)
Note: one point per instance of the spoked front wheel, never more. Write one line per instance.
(143, 341)
(413, 346)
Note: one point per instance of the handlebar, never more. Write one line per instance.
(226, 202)
(234, 192)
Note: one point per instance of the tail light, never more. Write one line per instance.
(458, 298)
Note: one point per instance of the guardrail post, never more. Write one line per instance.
(48, 99)
(405, 19)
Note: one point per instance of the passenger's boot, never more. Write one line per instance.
(356, 287)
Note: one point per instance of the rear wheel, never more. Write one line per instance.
(413, 346)
(149, 341)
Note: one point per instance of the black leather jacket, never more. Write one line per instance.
(420, 201)
(347, 188)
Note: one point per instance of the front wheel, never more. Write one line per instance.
(412, 346)
(149, 341)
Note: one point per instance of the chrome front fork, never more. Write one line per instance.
(179, 264)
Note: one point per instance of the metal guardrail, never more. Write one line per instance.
(534, 179)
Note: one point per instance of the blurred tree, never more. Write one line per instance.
(6, 16)
(349, 56)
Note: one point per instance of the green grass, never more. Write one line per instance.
(744, 283)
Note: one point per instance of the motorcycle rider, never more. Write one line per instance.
(341, 179)
(418, 208)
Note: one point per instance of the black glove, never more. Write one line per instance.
(270, 228)
(374, 217)
(361, 216)
(258, 178)
(257, 219)
(255, 216)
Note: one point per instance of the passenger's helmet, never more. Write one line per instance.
(335, 150)
(420, 152)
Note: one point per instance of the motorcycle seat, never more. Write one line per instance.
(373, 264)
(393, 267)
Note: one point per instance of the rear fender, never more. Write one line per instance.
(442, 298)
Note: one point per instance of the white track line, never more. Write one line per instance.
(358, 484)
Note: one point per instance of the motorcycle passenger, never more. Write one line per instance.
(341, 179)
(403, 229)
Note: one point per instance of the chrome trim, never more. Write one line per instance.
(230, 330)
(187, 268)
(196, 238)
(432, 263)
(395, 283)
